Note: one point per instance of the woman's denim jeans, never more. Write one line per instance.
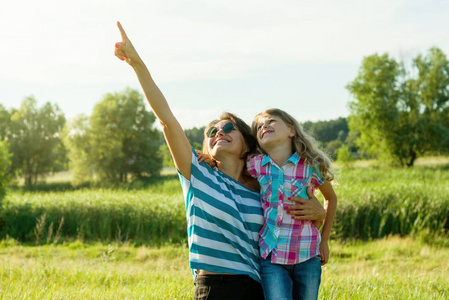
(300, 281)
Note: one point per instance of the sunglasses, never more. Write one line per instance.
(227, 128)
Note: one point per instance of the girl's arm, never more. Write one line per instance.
(174, 135)
(330, 205)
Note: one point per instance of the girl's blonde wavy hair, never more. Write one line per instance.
(302, 142)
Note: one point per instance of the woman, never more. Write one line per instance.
(223, 208)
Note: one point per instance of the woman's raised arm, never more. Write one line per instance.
(174, 135)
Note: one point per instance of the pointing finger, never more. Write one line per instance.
(122, 32)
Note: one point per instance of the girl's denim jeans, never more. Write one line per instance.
(300, 281)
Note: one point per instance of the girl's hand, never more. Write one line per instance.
(124, 50)
(206, 158)
(307, 209)
(324, 252)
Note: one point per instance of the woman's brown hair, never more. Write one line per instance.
(245, 130)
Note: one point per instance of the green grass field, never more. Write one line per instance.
(390, 238)
(391, 268)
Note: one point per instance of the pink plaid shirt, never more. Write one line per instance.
(288, 240)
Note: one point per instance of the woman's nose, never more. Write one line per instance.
(218, 133)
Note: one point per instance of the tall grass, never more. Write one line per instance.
(376, 203)
(153, 215)
(373, 203)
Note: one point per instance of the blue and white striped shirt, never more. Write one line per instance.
(223, 222)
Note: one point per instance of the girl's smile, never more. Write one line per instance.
(264, 132)
(272, 128)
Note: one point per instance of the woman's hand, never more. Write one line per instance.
(124, 50)
(307, 209)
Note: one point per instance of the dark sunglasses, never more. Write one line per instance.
(227, 128)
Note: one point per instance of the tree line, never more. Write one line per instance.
(398, 112)
(114, 144)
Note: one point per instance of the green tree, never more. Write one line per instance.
(351, 142)
(326, 131)
(5, 163)
(167, 158)
(34, 136)
(76, 137)
(432, 89)
(4, 122)
(117, 141)
(332, 147)
(329, 134)
(195, 136)
(401, 112)
(344, 156)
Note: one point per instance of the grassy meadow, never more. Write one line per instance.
(389, 268)
(390, 238)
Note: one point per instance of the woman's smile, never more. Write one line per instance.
(221, 140)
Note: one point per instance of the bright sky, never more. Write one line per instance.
(209, 56)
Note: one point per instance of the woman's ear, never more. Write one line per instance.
(246, 149)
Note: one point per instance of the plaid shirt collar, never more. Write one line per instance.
(294, 159)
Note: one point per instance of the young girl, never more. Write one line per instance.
(292, 249)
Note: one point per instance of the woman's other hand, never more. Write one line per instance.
(307, 209)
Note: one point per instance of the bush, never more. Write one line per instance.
(344, 156)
